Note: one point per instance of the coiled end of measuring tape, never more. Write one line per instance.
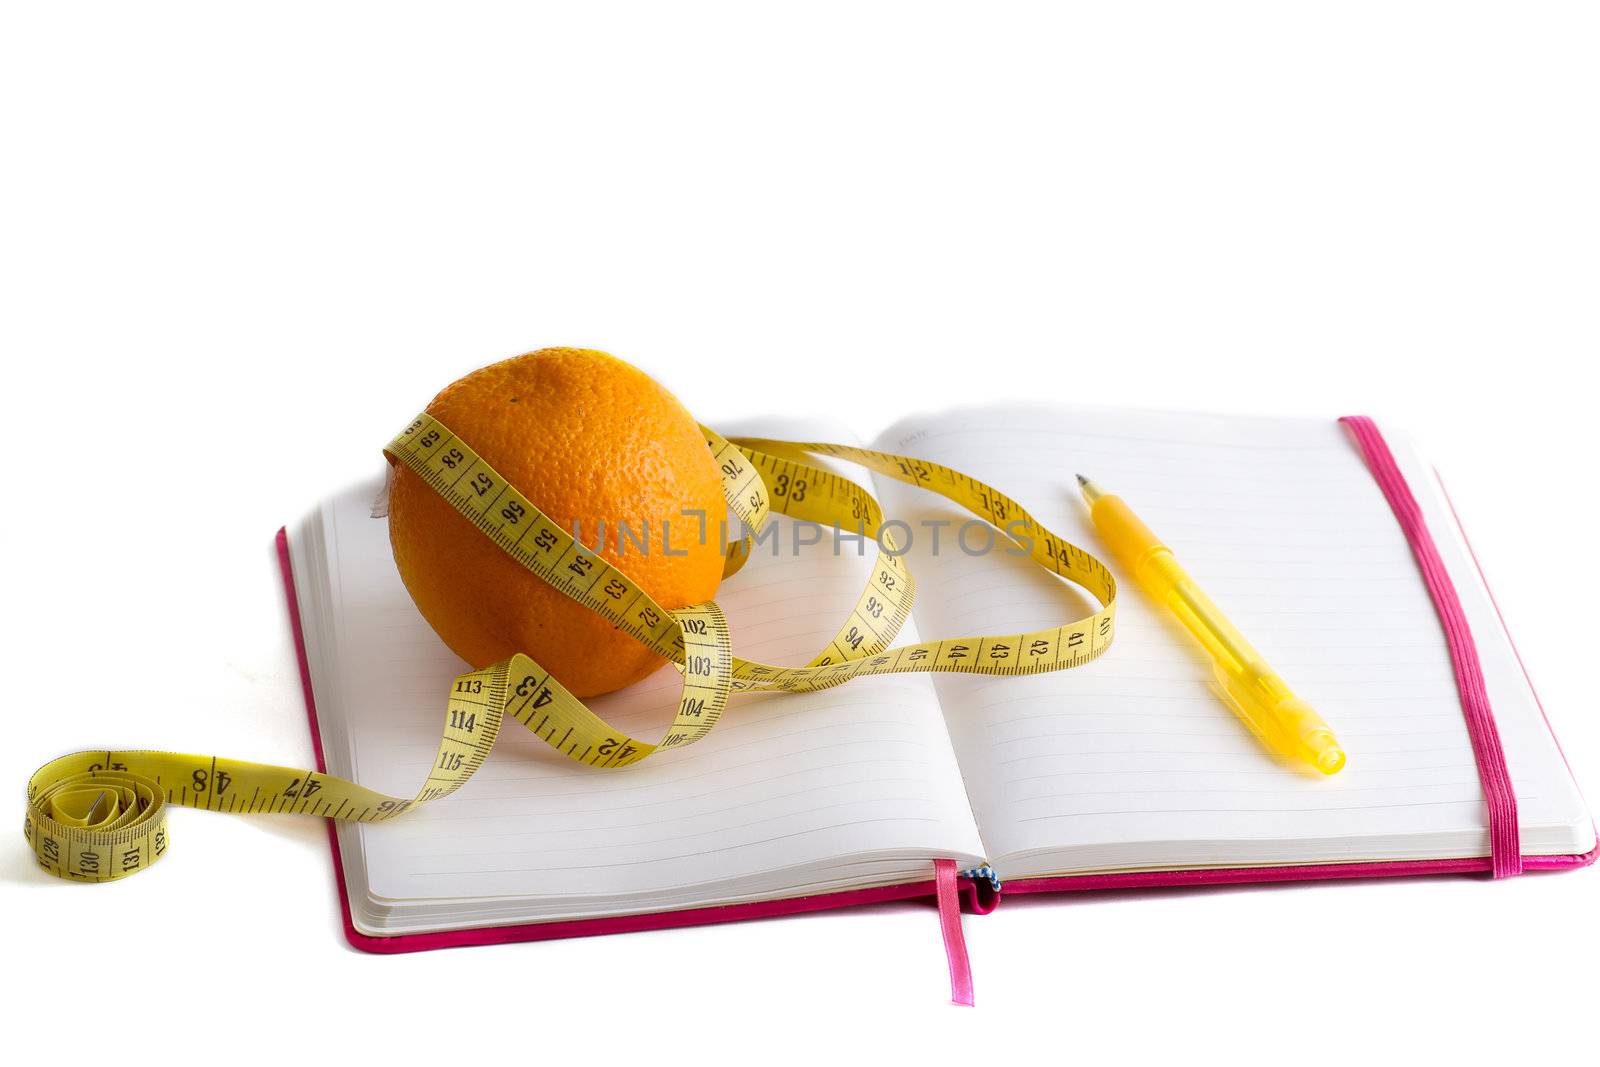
(90, 822)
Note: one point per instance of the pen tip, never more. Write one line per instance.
(1082, 480)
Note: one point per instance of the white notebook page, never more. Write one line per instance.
(856, 785)
(1132, 761)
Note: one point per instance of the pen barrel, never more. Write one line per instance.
(1282, 721)
(1157, 571)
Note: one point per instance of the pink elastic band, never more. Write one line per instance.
(955, 945)
(1505, 846)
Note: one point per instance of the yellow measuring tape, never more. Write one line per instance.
(95, 816)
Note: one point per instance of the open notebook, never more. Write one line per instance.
(1129, 764)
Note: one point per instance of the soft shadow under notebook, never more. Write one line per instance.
(1126, 771)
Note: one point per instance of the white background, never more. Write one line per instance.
(240, 248)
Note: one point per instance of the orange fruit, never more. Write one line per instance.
(588, 439)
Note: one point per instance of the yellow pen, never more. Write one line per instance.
(1282, 721)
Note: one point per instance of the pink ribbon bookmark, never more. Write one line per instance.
(955, 944)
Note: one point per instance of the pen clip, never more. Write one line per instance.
(1233, 694)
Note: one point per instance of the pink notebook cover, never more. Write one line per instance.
(978, 896)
